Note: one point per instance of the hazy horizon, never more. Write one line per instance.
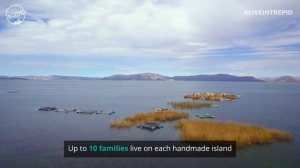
(48, 75)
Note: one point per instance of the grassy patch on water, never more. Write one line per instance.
(143, 117)
(243, 134)
(212, 96)
(190, 105)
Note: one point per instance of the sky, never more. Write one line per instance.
(169, 37)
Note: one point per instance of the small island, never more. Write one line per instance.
(69, 110)
(212, 96)
(244, 134)
(145, 117)
(191, 105)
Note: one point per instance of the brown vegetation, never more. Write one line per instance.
(139, 118)
(243, 134)
(212, 96)
(190, 105)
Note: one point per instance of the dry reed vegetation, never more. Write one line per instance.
(243, 134)
(190, 105)
(161, 116)
(212, 96)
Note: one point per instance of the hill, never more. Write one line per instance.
(217, 77)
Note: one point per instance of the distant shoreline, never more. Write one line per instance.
(158, 77)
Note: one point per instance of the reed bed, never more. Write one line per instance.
(212, 96)
(190, 105)
(143, 117)
(244, 134)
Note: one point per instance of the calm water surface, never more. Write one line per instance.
(30, 138)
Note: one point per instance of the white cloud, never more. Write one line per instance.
(98, 27)
(65, 65)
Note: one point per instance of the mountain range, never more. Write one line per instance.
(282, 79)
(140, 76)
(218, 77)
(158, 77)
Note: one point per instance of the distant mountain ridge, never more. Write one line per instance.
(51, 77)
(140, 76)
(157, 77)
(282, 79)
(218, 77)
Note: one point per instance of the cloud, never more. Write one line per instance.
(269, 66)
(181, 29)
(65, 65)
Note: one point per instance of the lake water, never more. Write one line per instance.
(30, 138)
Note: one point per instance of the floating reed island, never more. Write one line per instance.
(212, 96)
(190, 105)
(69, 110)
(244, 134)
(146, 117)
